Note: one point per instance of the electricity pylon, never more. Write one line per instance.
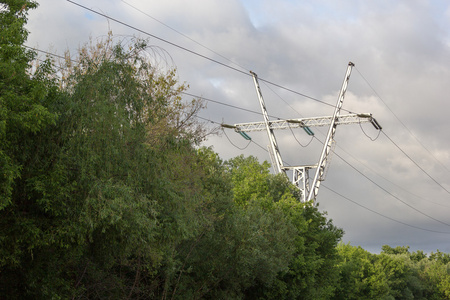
(300, 175)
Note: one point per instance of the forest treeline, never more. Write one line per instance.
(105, 193)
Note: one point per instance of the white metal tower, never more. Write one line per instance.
(300, 176)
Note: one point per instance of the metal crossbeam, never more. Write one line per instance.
(307, 122)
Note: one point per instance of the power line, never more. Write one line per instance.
(385, 190)
(231, 61)
(300, 94)
(251, 141)
(382, 215)
(393, 183)
(234, 143)
(414, 162)
(315, 137)
(158, 38)
(48, 53)
(392, 195)
(184, 35)
(225, 104)
(208, 120)
(198, 54)
(380, 187)
(403, 124)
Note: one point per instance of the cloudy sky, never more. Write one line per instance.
(394, 190)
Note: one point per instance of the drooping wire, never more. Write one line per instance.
(250, 141)
(382, 215)
(234, 143)
(304, 146)
(372, 139)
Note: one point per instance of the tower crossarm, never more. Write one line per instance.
(307, 122)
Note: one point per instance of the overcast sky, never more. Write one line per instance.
(401, 50)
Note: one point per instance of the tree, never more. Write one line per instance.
(94, 197)
(24, 115)
(311, 272)
(395, 273)
(21, 96)
(397, 250)
(252, 181)
(240, 247)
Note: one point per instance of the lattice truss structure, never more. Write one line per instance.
(305, 123)
(300, 177)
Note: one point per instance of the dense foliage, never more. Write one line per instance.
(106, 194)
(395, 273)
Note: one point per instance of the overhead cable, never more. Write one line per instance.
(249, 141)
(224, 57)
(391, 182)
(415, 163)
(158, 38)
(184, 35)
(392, 195)
(316, 137)
(225, 104)
(196, 53)
(384, 189)
(403, 124)
(382, 215)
